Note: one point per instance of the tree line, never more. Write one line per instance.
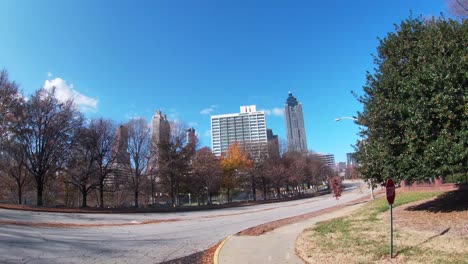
(50, 149)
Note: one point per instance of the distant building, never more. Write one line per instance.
(341, 166)
(248, 128)
(191, 136)
(159, 128)
(351, 159)
(273, 144)
(295, 130)
(327, 159)
(120, 157)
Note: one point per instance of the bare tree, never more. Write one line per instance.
(139, 151)
(10, 104)
(45, 135)
(82, 168)
(275, 172)
(13, 165)
(313, 170)
(103, 132)
(206, 175)
(173, 160)
(296, 169)
(258, 153)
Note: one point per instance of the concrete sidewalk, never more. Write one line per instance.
(277, 246)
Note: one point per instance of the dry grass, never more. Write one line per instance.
(363, 237)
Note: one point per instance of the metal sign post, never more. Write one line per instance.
(390, 190)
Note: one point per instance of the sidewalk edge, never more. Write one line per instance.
(216, 254)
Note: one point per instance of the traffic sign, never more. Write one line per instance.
(390, 188)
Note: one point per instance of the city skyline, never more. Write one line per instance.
(200, 59)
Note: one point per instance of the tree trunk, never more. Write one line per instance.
(20, 194)
(101, 194)
(278, 191)
(152, 192)
(40, 188)
(254, 190)
(84, 194)
(264, 189)
(228, 195)
(136, 199)
(371, 185)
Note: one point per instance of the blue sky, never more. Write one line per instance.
(122, 59)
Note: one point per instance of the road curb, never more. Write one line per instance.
(216, 254)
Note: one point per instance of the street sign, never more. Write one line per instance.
(390, 188)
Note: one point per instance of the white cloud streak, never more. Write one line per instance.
(64, 92)
(275, 111)
(208, 110)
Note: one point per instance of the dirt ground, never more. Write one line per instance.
(446, 215)
(433, 230)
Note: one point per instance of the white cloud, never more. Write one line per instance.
(64, 92)
(49, 74)
(207, 133)
(277, 111)
(208, 110)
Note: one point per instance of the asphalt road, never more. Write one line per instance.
(188, 233)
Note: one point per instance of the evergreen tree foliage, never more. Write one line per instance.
(415, 103)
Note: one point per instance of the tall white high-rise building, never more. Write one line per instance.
(295, 130)
(248, 128)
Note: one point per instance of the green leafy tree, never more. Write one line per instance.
(415, 103)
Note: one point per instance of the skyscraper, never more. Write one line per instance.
(159, 131)
(120, 157)
(295, 130)
(273, 144)
(248, 128)
(160, 128)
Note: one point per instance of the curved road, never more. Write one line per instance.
(170, 236)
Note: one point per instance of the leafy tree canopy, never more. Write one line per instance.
(415, 103)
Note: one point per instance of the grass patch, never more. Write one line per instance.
(339, 225)
(365, 236)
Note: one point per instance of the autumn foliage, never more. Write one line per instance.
(233, 163)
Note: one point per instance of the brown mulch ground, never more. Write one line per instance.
(202, 257)
(446, 214)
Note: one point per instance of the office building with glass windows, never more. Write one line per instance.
(247, 128)
(295, 130)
